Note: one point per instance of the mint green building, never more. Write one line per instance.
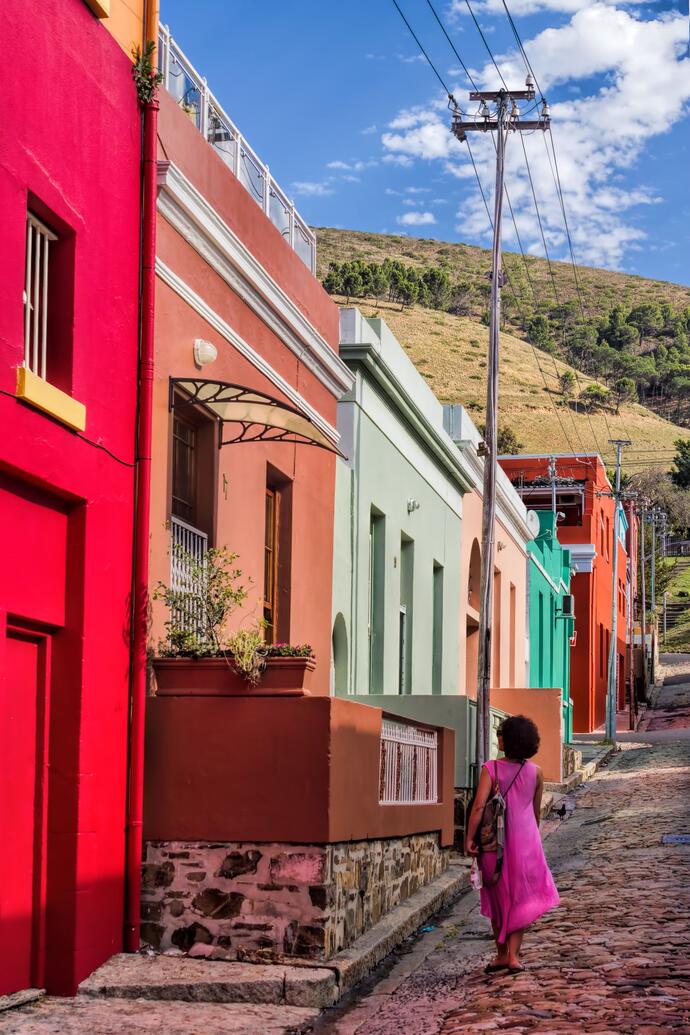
(551, 615)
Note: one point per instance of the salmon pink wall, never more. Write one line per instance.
(511, 563)
(70, 147)
(543, 705)
(242, 469)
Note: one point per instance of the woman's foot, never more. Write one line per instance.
(514, 966)
(498, 963)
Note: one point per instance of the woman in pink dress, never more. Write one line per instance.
(525, 889)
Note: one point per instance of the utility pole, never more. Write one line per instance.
(503, 119)
(611, 696)
(632, 565)
(552, 476)
(644, 600)
(653, 516)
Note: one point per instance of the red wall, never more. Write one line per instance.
(242, 469)
(592, 591)
(71, 138)
(296, 769)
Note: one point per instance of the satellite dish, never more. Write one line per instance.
(533, 523)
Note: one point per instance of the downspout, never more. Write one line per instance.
(141, 531)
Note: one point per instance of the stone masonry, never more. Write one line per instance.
(235, 901)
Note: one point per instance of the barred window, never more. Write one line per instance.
(36, 295)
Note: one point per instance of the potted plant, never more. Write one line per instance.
(198, 657)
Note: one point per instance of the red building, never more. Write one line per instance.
(584, 498)
(69, 265)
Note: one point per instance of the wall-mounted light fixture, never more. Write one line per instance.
(204, 352)
(500, 545)
(412, 504)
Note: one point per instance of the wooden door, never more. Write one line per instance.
(23, 761)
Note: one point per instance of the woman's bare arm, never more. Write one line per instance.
(539, 790)
(483, 792)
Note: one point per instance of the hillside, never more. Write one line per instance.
(450, 352)
(601, 289)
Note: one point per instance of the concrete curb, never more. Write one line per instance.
(351, 965)
(16, 999)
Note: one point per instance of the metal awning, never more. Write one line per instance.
(257, 417)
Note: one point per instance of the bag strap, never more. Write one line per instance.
(514, 778)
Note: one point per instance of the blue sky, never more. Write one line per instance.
(336, 100)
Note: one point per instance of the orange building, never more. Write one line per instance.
(584, 499)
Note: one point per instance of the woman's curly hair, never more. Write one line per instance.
(520, 737)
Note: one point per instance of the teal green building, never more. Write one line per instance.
(551, 614)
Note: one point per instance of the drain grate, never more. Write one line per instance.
(675, 839)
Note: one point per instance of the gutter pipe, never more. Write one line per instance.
(142, 521)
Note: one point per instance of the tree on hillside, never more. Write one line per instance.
(461, 297)
(333, 282)
(566, 383)
(594, 397)
(580, 342)
(656, 485)
(438, 285)
(648, 319)
(351, 281)
(624, 390)
(507, 442)
(681, 461)
(539, 332)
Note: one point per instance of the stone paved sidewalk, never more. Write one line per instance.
(613, 959)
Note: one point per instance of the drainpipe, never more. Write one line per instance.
(141, 531)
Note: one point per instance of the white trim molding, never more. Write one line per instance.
(224, 329)
(195, 219)
(581, 556)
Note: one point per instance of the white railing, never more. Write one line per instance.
(38, 238)
(188, 548)
(191, 92)
(409, 762)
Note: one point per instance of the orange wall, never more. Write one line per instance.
(126, 20)
(592, 591)
(511, 563)
(242, 469)
(543, 707)
(301, 769)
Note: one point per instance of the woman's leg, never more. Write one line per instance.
(501, 947)
(513, 945)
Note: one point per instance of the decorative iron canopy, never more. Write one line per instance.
(257, 417)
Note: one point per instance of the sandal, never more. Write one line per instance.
(515, 970)
(493, 968)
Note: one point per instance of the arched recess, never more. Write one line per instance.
(475, 574)
(340, 655)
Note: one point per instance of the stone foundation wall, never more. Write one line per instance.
(231, 901)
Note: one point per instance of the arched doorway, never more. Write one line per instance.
(340, 685)
(472, 623)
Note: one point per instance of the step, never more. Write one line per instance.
(88, 1016)
(177, 977)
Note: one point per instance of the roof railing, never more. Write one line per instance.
(190, 90)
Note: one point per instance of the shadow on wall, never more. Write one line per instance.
(340, 659)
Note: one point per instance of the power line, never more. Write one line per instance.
(443, 30)
(516, 34)
(430, 62)
(488, 48)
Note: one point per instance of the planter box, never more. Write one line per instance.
(214, 677)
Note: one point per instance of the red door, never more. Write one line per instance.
(23, 726)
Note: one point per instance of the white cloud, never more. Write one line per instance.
(352, 166)
(369, 129)
(411, 202)
(642, 88)
(349, 178)
(520, 8)
(310, 189)
(416, 219)
(408, 60)
(418, 190)
(402, 160)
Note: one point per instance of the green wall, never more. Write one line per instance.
(549, 631)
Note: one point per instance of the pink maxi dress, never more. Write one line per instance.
(525, 890)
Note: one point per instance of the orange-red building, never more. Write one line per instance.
(585, 501)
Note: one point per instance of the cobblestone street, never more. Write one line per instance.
(612, 960)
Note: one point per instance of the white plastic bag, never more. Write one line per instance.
(475, 875)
